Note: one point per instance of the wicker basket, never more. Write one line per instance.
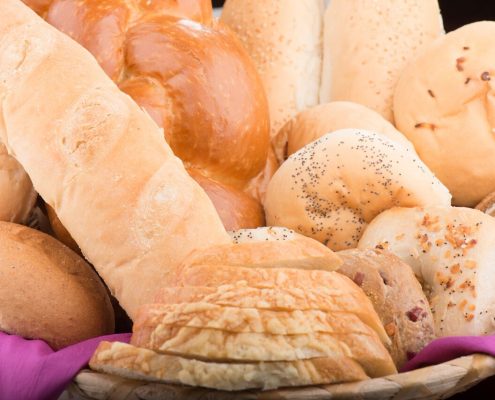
(437, 382)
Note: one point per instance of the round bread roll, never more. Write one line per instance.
(283, 38)
(368, 44)
(332, 188)
(311, 124)
(48, 292)
(487, 205)
(17, 196)
(397, 297)
(446, 94)
(195, 80)
(451, 250)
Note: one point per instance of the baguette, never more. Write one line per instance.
(98, 160)
(136, 363)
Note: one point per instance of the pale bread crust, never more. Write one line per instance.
(137, 363)
(451, 250)
(79, 148)
(332, 188)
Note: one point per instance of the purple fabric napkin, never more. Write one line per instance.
(448, 348)
(31, 370)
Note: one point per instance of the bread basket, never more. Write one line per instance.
(436, 382)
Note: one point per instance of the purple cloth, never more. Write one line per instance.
(449, 348)
(31, 370)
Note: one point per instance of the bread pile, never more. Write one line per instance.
(274, 326)
(146, 131)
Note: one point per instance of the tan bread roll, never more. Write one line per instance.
(283, 38)
(311, 124)
(397, 297)
(367, 44)
(332, 188)
(48, 292)
(451, 250)
(137, 363)
(444, 105)
(98, 160)
(17, 196)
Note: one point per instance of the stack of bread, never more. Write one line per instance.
(146, 131)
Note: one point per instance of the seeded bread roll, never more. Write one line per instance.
(17, 196)
(451, 250)
(367, 45)
(397, 297)
(48, 292)
(313, 123)
(333, 187)
(444, 105)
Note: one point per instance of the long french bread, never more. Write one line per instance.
(97, 159)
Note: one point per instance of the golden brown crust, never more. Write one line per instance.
(59, 230)
(48, 292)
(397, 297)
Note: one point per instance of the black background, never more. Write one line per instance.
(457, 13)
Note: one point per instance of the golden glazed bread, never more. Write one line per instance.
(333, 187)
(451, 251)
(443, 104)
(313, 123)
(186, 74)
(397, 298)
(98, 160)
(17, 196)
(48, 292)
(283, 38)
(367, 45)
(137, 363)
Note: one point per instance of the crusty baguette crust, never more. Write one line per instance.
(98, 160)
(137, 363)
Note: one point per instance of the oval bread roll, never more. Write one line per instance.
(311, 124)
(451, 251)
(48, 292)
(444, 104)
(397, 297)
(332, 188)
(17, 196)
(367, 45)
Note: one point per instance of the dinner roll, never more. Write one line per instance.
(17, 196)
(452, 252)
(315, 122)
(332, 188)
(367, 44)
(48, 292)
(445, 105)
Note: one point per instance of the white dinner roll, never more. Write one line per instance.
(313, 123)
(17, 196)
(452, 251)
(333, 187)
(367, 44)
(445, 104)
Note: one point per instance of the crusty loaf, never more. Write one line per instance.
(17, 196)
(397, 297)
(268, 248)
(367, 45)
(333, 187)
(451, 250)
(137, 363)
(48, 292)
(283, 37)
(98, 160)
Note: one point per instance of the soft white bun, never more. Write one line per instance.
(367, 44)
(452, 250)
(283, 38)
(313, 123)
(17, 195)
(332, 188)
(445, 105)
